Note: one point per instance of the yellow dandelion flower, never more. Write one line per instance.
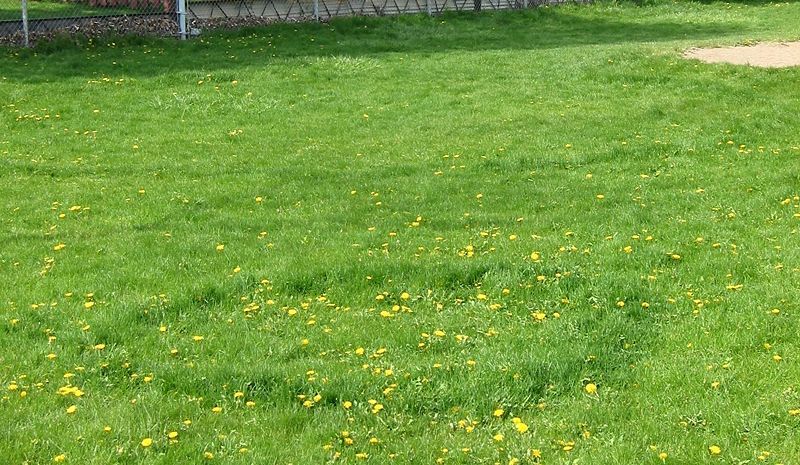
(147, 442)
(590, 388)
(714, 450)
(99, 346)
(498, 437)
(521, 427)
(208, 455)
(172, 435)
(60, 458)
(498, 413)
(72, 409)
(217, 409)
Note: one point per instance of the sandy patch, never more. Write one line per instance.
(764, 55)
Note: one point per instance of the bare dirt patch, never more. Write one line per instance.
(768, 55)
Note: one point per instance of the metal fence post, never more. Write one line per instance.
(428, 7)
(25, 30)
(316, 10)
(182, 18)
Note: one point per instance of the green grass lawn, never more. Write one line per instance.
(536, 236)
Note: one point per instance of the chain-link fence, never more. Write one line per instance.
(325, 9)
(25, 21)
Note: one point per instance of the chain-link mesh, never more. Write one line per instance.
(37, 19)
(326, 9)
(47, 18)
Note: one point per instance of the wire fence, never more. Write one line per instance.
(325, 9)
(23, 22)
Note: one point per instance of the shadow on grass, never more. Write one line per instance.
(537, 29)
